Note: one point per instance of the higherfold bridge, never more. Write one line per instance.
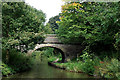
(68, 51)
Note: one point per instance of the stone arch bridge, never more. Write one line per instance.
(68, 51)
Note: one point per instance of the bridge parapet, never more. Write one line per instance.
(52, 38)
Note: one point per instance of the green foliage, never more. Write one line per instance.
(6, 70)
(28, 39)
(49, 52)
(117, 42)
(48, 29)
(70, 66)
(22, 26)
(17, 61)
(109, 68)
(88, 63)
(52, 22)
(92, 24)
(51, 59)
(96, 26)
(20, 17)
(69, 25)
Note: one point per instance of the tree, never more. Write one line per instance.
(52, 22)
(21, 25)
(91, 24)
(48, 29)
(19, 16)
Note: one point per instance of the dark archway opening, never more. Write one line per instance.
(50, 51)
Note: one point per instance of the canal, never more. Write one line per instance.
(41, 69)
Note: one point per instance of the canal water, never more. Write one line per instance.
(41, 69)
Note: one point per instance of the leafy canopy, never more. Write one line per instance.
(90, 23)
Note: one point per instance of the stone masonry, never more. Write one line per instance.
(68, 51)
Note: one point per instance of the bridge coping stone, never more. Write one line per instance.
(51, 35)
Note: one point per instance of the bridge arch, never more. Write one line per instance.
(52, 46)
(68, 51)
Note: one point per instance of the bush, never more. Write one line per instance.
(88, 63)
(110, 68)
(17, 61)
(52, 54)
(6, 70)
(117, 42)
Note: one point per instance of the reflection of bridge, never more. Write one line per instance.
(68, 51)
